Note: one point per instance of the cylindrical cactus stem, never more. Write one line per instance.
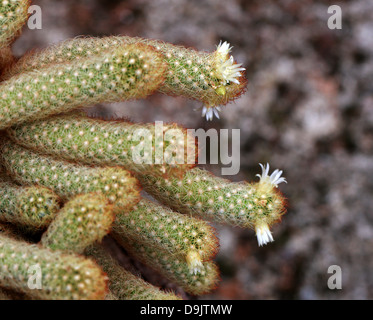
(186, 238)
(199, 193)
(82, 221)
(123, 284)
(13, 15)
(32, 206)
(79, 138)
(44, 274)
(174, 269)
(120, 73)
(212, 78)
(67, 179)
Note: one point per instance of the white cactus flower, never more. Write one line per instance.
(228, 70)
(223, 48)
(274, 179)
(194, 262)
(263, 234)
(209, 112)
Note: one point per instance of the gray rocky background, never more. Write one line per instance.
(308, 110)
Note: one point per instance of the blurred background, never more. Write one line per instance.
(308, 110)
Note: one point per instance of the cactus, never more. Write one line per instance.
(32, 206)
(123, 284)
(83, 220)
(212, 78)
(175, 270)
(199, 193)
(61, 157)
(125, 72)
(67, 179)
(186, 238)
(13, 14)
(78, 138)
(64, 276)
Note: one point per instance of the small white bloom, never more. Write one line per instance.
(228, 70)
(223, 48)
(274, 179)
(209, 112)
(194, 262)
(263, 234)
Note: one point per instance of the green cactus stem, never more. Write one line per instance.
(82, 221)
(256, 205)
(212, 78)
(67, 179)
(175, 270)
(63, 276)
(123, 284)
(186, 238)
(119, 73)
(13, 15)
(78, 138)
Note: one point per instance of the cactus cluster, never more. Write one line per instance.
(73, 180)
